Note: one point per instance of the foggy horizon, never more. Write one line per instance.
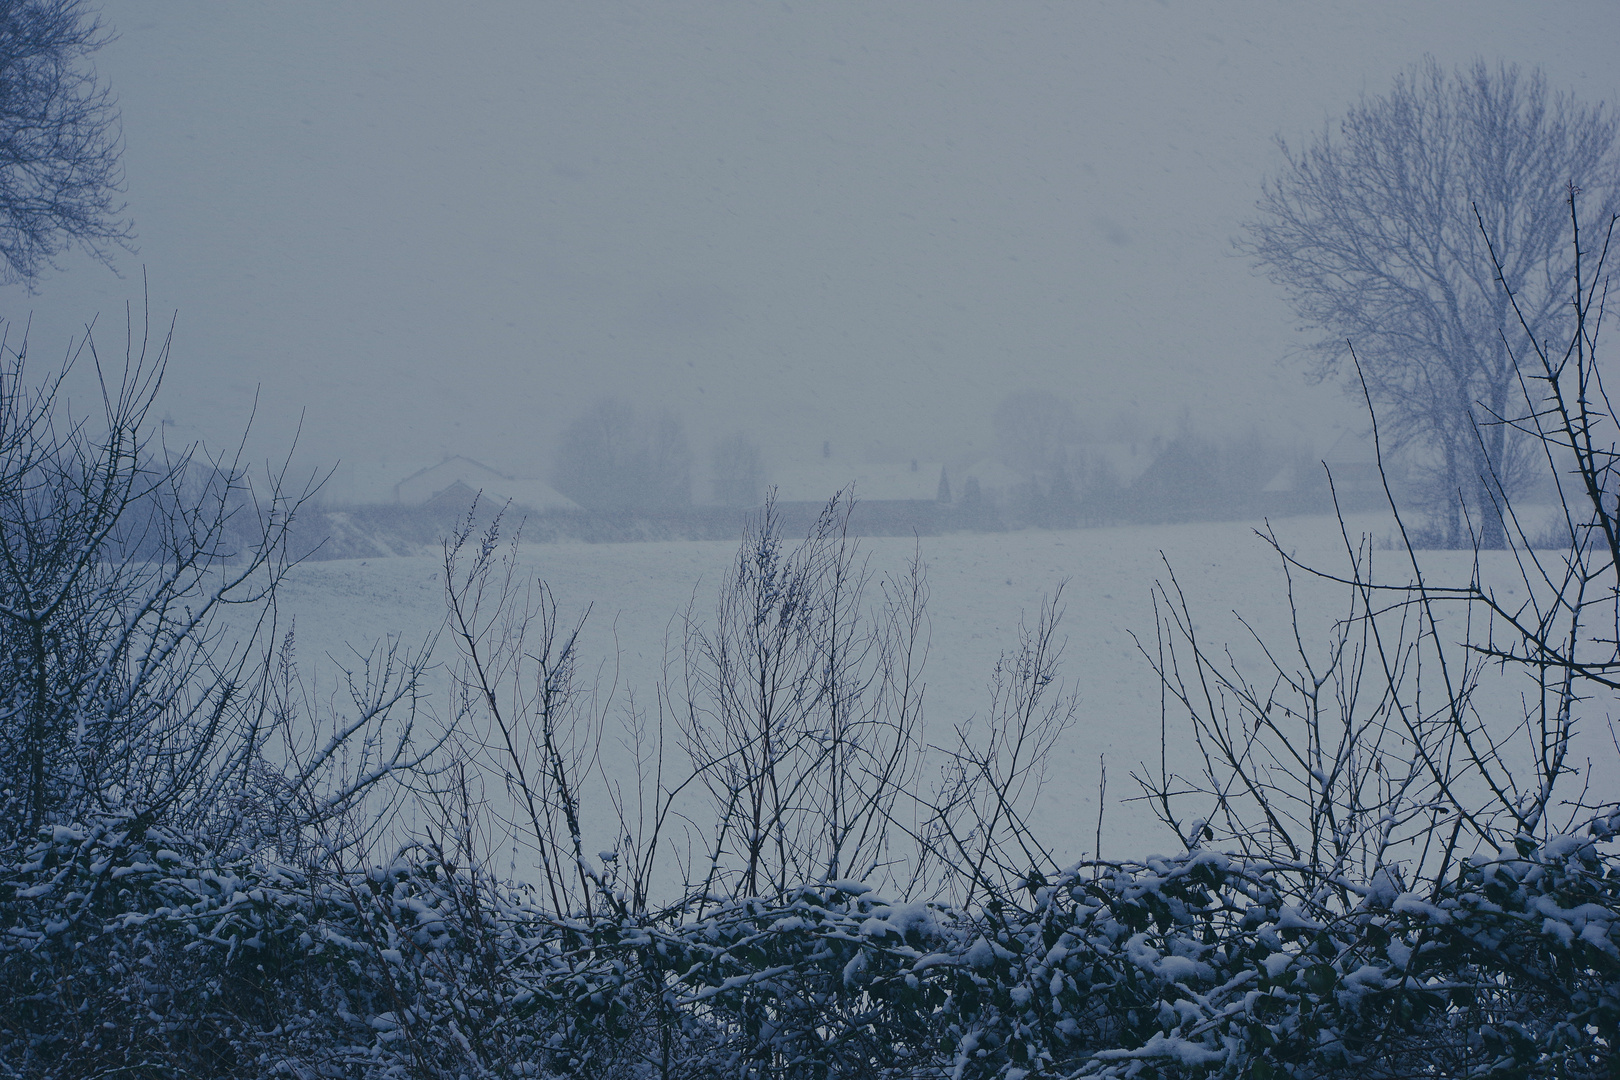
(861, 226)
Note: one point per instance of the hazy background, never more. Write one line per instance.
(443, 229)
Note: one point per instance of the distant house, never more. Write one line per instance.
(1352, 460)
(453, 482)
(890, 497)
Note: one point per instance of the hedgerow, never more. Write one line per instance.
(131, 950)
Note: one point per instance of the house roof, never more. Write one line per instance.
(423, 485)
(1352, 459)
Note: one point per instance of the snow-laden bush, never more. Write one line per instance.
(138, 950)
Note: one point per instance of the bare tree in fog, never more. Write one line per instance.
(124, 695)
(612, 459)
(1372, 233)
(739, 471)
(1032, 428)
(59, 140)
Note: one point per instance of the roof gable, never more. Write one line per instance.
(425, 485)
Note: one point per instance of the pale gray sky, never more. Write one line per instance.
(445, 228)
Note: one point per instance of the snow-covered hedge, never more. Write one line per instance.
(130, 950)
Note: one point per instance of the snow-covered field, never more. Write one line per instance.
(981, 585)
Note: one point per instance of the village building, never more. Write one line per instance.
(452, 484)
(1358, 484)
(891, 497)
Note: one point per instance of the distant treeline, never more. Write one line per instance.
(1188, 478)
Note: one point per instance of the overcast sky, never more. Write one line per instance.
(446, 228)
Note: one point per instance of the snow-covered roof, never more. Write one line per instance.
(424, 485)
(1352, 458)
(365, 483)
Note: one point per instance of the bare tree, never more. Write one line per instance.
(977, 824)
(802, 710)
(126, 692)
(59, 140)
(1371, 232)
(1033, 433)
(610, 458)
(520, 713)
(739, 471)
(1032, 430)
(1439, 718)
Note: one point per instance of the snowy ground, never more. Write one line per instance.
(981, 585)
